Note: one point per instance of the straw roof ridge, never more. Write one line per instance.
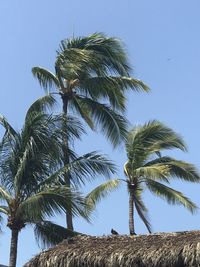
(175, 249)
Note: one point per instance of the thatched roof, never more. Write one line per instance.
(181, 249)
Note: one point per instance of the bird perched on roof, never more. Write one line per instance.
(133, 233)
(113, 232)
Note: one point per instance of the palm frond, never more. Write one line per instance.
(10, 132)
(46, 79)
(177, 168)
(4, 209)
(70, 127)
(82, 169)
(110, 51)
(89, 165)
(4, 195)
(150, 138)
(79, 64)
(52, 200)
(38, 135)
(183, 170)
(111, 88)
(172, 196)
(111, 123)
(75, 63)
(42, 104)
(141, 208)
(104, 88)
(50, 234)
(83, 111)
(100, 192)
(155, 171)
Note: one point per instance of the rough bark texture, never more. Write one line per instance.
(69, 220)
(131, 213)
(13, 248)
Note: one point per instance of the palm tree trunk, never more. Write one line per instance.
(69, 220)
(13, 248)
(131, 213)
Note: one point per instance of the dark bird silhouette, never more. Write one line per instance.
(113, 232)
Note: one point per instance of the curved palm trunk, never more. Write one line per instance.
(69, 220)
(131, 213)
(13, 247)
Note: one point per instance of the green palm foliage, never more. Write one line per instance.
(50, 234)
(100, 192)
(80, 170)
(91, 76)
(146, 167)
(31, 166)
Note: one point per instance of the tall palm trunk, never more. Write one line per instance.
(13, 247)
(131, 213)
(65, 100)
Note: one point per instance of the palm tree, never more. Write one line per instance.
(30, 167)
(146, 167)
(91, 77)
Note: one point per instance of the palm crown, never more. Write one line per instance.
(146, 166)
(92, 76)
(31, 169)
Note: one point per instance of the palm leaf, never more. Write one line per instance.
(155, 171)
(111, 87)
(112, 124)
(100, 192)
(49, 234)
(46, 78)
(4, 209)
(52, 200)
(177, 168)
(141, 208)
(76, 63)
(110, 51)
(4, 195)
(83, 111)
(70, 127)
(42, 104)
(38, 134)
(142, 141)
(83, 169)
(9, 129)
(172, 196)
(104, 88)
(90, 165)
(10, 134)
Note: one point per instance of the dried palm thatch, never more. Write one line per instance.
(181, 249)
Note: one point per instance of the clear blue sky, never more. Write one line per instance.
(163, 43)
